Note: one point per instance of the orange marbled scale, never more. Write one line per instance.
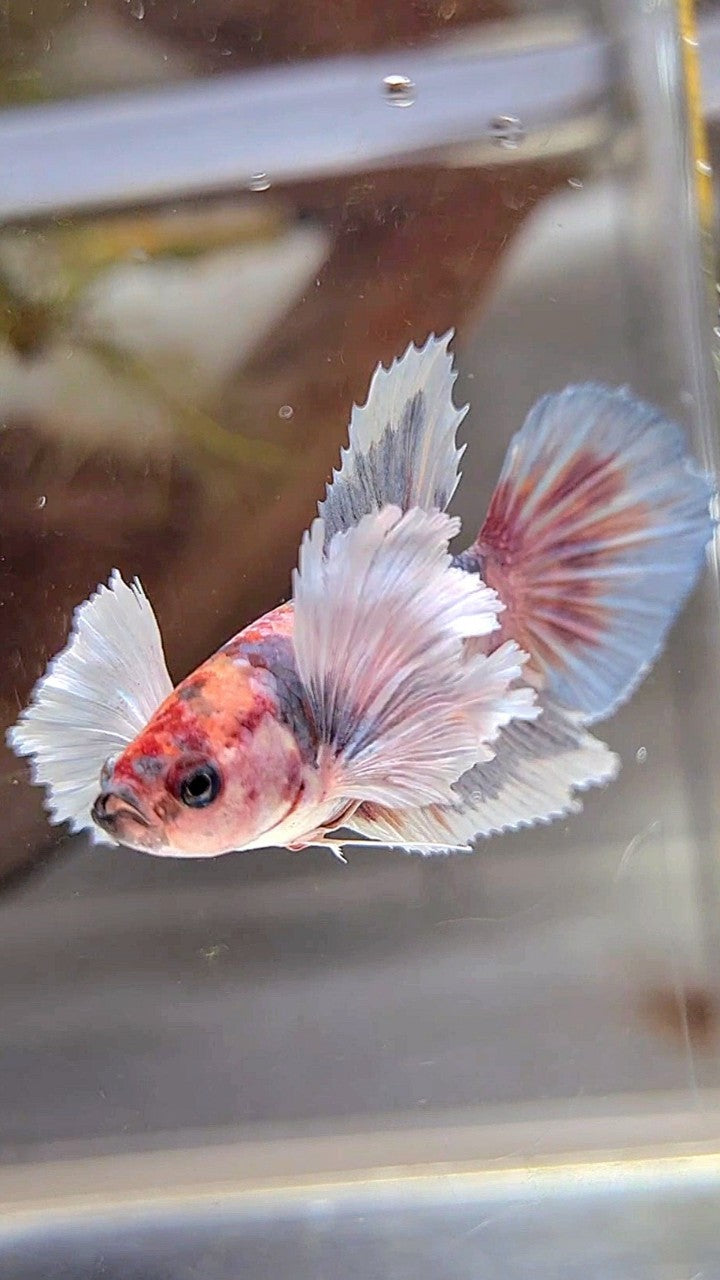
(233, 713)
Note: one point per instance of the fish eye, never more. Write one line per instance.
(200, 787)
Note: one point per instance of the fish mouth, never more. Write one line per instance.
(118, 813)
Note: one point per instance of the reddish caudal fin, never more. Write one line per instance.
(595, 536)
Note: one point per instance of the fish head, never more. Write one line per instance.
(216, 768)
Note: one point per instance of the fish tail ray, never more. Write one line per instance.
(594, 538)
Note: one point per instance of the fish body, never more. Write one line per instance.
(416, 698)
(236, 727)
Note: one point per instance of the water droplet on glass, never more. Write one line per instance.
(575, 183)
(137, 9)
(259, 182)
(285, 411)
(40, 502)
(399, 90)
(506, 131)
(641, 755)
(513, 199)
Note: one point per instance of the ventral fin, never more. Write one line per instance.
(534, 777)
(94, 698)
(402, 449)
(595, 535)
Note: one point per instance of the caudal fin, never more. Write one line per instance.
(594, 537)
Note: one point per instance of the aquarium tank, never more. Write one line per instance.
(216, 218)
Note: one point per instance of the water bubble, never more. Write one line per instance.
(575, 183)
(641, 755)
(40, 502)
(506, 131)
(399, 90)
(137, 9)
(285, 411)
(259, 182)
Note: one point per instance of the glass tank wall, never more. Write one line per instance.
(218, 216)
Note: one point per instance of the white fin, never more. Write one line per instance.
(380, 626)
(595, 535)
(533, 778)
(402, 449)
(496, 700)
(94, 698)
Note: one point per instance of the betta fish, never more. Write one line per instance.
(411, 697)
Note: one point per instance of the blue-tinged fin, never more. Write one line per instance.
(595, 536)
(402, 449)
(538, 769)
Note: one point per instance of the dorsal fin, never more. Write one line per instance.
(402, 449)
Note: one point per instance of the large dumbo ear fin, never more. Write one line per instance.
(94, 698)
(381, 623)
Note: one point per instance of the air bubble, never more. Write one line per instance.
(40, 502)
(575, 183)
(506, 131)
(641, 755)
(137, 9)
(259, 182)
(399, 90)
(704, 168)
(285, 411)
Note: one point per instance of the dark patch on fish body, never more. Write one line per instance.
(147, 766)
(191, 689)
(276, 655)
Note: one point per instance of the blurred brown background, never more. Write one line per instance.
(175, 382)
